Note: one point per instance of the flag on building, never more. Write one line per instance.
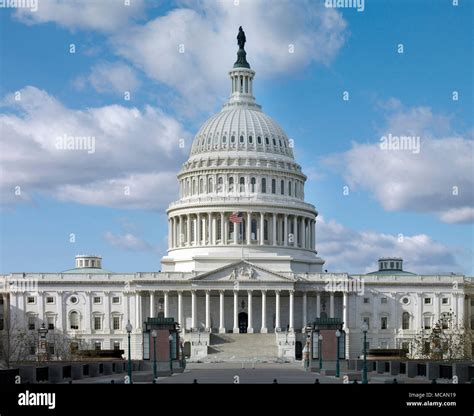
(236, 217)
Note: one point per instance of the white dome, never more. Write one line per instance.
(241, 129)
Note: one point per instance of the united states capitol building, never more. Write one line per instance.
(257, 280)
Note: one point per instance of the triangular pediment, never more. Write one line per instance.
(242, 271)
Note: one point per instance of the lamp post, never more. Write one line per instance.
(365, 328)
(129, 331)
(154, 334)
(170, 339)
(338, 369)
(320, 339)
(42, 347)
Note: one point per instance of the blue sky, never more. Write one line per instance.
(399, 203)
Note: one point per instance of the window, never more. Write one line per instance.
(274, 142)
(31, 300)
(73, 300)
(242, 184)
(51, 349)
(97, 300)
(210, 187)
(219, 229)
(116, 345)
(50, 322)
(366, 300)
(252, 185)
(224, 139)
(49, 299)
(405, 320)
(282, 187)
(427, 301)
(406, 346)
(383, 300)
(220, 183)
(74, 320)
(31, 323)
(264, 186)
(241, 139)
(97, 345)
(279, 141)
(273, 186)
(232, 139)
(383, 322)
(259, 140)
(444, 320)
(267, 142)
(97, 323)
(116, 323)
(445, 301)
(231, 184)
(366, 320)
(427, 322)
(201, 186)
(406, 301)
(115, 300)
(289, 188)
(250, 139)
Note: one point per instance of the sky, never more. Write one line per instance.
(139, 78)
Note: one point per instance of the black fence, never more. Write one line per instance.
(421, 370)
(445, 371)
(67, 371)
(42, 374)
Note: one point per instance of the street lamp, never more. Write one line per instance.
(365, 328)
(170, 339)
(338, 369)
(154, 334)
(320, 339)
(129, 328)
(42, 348)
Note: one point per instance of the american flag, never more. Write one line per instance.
(236, 217)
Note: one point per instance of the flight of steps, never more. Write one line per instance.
(243, 347)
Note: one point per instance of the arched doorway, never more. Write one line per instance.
(298, 350)
(187, 349)
(243, 322)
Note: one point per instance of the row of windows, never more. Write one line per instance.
(31, 300)
(250, 140)
(405, 300)
(427, 321)
(74, 322)
(245, 185)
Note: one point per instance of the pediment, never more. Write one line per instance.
(242, 271)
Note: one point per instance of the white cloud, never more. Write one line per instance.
(127, 241)
(110, 77)
(358, 251)
(207, 30)
(135, 157)
(102, 16)
(437, 179)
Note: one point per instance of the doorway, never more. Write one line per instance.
(243, 322)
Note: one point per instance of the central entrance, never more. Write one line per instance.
(243, 322)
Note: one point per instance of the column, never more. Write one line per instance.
(419, 311)
(274, 229)
(214, 231)
(188, 230)
(331, 304)
(193, 309)
(204, 231)
(262, 228)
(249, 228)
(212, 226)
(285, 234)
(375, 311)
(221, 312)
(305, 311)
(460, 314)
(236, 306)
(295, 231)
(264, 329)
(180, 232)
(180, 310)
(87, 314)
(249, 307)
(170, 234)
(345, 310)
(107, 312)
(224, 229)
(138, 312)
(292, 302)
(313, 231)
(318, 305)
(166, 304)
(301, 233)
(152, 304)
(236, 233)
(197, 231)
(277, 310)
(437, 314)
(40, 307)
(59, 309)
(208, 317)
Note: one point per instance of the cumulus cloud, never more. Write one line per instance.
(345, 249)
(127, 241)
(103, 15)
(114, 77)
(434, 176)
(110, 156)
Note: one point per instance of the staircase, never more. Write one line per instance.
(242, 347)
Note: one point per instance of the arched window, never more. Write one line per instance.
(252, 185)
(279, 141)
(405, 320)
(264, 186)
(194, 187)
(210, 187)
(273, 186)
(259, 140)
(282, 187)
(289, 188)
(232, 139)
(231, 184)
(274, 142)
(74, 320)
(242, 139)
(220, 185)
(250, 139)
(267, 142)
(296, 189)
(242, 184)
(224, 139)
(201, 185)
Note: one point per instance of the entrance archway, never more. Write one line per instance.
(243, 322)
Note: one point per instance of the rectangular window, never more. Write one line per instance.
(97, 323)
(50, 299)
(383, 322)
(427, 301)
(116, 345)
(51, 349)
(445, 301)
(50, 322)
(97, 299)
(427, 322)
(115, 300)
(366, 320)
(366, 300)
(383, 300)
(116, 323)
(31, 300)
(406, 346)
(98, 345)
(31, 323)
(273, 186)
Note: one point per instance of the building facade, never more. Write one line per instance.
(241, 259)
